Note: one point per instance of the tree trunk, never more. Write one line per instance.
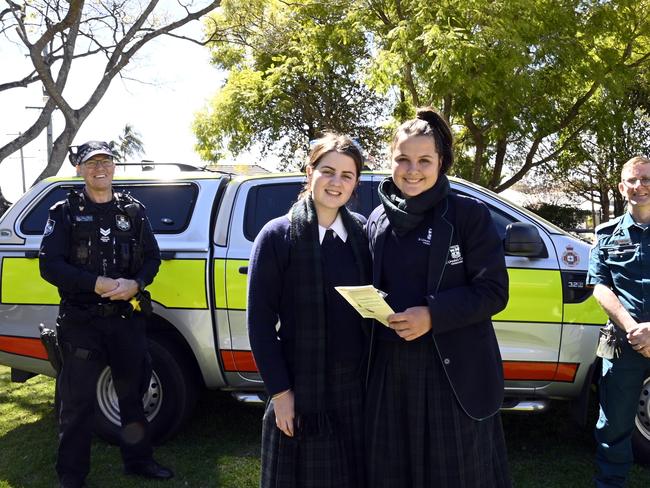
(604, 204)
(502, 146)
(4, 203)
(479, 144)
(59, 151)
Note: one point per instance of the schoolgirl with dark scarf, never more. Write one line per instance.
(436, 377)
(312, 430)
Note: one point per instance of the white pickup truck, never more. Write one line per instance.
(205, 224)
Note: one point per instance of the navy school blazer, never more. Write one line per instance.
(467, 284)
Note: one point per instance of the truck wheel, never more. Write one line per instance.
(168, 402)
(641, 435)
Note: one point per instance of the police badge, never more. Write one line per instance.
(122, 222)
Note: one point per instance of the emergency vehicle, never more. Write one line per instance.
(205, 224)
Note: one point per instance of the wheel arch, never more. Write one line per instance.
(158, 326)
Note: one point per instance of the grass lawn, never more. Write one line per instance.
(220, 446)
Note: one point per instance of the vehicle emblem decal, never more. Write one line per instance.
(49, 227)
(105, 233)
(570, 257)
(122, 222)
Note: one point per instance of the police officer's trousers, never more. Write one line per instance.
(87, 348)
(620, 386)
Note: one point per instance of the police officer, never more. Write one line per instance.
(99, 250)
(618, 269)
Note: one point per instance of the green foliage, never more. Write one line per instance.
(295, 70)
(618, 129)
(511, 75)
(129, 144)
(519, 80)
(564, 216)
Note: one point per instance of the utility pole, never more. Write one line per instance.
(46, 97)
(22, 162)
(49, 130)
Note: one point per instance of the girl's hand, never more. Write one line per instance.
(411, 323)
(284, 411)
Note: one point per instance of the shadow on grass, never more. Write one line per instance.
(220, 446)
(550, 450)
(28, 453)
(31, 398)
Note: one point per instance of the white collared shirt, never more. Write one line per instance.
(338, 228)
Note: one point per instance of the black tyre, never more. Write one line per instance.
(641, 435)
(168, 402)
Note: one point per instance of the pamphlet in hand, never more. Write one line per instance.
(368, 301)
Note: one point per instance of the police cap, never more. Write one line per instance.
(88, 150)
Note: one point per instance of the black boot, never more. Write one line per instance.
(151, 470)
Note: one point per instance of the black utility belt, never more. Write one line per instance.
(99, 309)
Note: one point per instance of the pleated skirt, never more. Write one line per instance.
(417, 435)
(327, 461)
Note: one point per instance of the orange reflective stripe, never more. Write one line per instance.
(566, 372)
(243, 362)
(24, 346)
(240, 361)
(540, 371)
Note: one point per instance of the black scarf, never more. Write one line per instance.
(311, 327)
(405, 214)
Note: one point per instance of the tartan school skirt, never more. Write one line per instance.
(417, 435)
(334, 461)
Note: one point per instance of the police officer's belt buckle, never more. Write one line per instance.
(608, 345)
(107, 309)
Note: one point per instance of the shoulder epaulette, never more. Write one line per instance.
(610, 223)
(58, 205)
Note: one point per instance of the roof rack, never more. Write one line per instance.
(148, 165)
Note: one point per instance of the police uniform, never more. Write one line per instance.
(620, 260)
(84, 240)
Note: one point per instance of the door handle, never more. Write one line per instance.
(243, 270)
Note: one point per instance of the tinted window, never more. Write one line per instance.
(500, 219)
(34, 223)
(364, 200)
(169, 207)
(266, 202)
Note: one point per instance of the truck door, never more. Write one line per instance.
(529, 330)
(26, 300)
(256, 202)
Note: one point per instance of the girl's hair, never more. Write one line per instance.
(332, 142)
(428, 122)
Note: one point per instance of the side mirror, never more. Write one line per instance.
(524, 240)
